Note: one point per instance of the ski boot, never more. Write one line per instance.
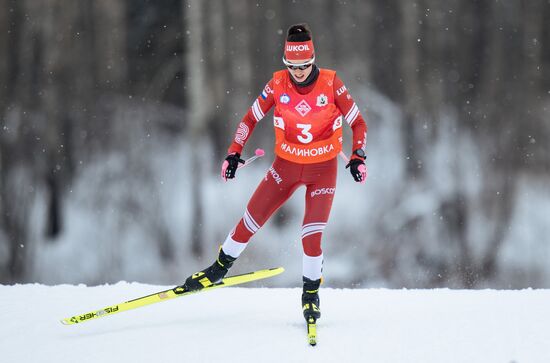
(210, 275)
(310, 299)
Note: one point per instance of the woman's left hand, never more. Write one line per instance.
(358, 170)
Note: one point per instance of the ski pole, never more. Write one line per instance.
(257, 154)
(343, 156)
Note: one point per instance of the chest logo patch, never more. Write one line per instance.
(284, 99)
(303, 108)
(322, 100)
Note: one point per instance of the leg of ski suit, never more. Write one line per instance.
(281, 180)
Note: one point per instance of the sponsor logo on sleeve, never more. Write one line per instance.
(267, 90)
(341, 90)
(241, 134)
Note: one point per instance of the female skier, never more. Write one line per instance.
(310, 105)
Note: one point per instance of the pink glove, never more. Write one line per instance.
(224, 169)
(363, 170)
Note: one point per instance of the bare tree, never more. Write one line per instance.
(110, 43)
(4, 50)
(410, 33)
(194, 28)
(218, 61)
(238, 53)
(16, 135)
(4, 31)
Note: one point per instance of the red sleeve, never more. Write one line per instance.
(351, 113)
(255, 113)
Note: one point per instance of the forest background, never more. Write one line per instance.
(115, 116)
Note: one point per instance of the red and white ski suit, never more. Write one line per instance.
(308, 137)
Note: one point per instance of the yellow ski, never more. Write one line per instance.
(170, 294)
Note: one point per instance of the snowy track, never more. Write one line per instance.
(265, 325)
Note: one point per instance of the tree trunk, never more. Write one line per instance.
(4, 50)
(61, 53)
(240, 65)
(110, 43)
(4, 21)
(194, 24)
(218, 59)
(14, 155)
(410, 34)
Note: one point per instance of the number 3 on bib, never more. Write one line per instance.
(305, 131)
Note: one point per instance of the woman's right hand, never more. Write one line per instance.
(230, 165)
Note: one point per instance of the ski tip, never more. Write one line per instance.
(69, 321)
(276, 271)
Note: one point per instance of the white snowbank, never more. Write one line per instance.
(266, 325)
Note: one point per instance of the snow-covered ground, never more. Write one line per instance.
(265, 325)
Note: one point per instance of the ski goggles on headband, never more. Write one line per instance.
(300, 66)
